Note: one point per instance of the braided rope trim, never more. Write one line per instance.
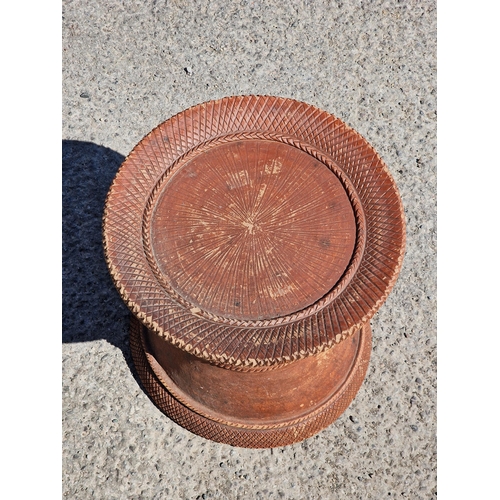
(291, 141)
(171, 403)
(292, 347)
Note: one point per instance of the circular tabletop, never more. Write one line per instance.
(253, 231)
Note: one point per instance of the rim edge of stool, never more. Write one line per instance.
(266, 436)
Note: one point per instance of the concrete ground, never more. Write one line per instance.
(127, 66)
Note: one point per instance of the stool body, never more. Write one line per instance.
(253, 238)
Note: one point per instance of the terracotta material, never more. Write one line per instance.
(233, 239)
(252, 409)
(250, 236)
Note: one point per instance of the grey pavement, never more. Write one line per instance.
(128, 66)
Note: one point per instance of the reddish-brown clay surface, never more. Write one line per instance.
(191, 311)
(265, 397)
(235, 230)
(253, 238)
(245, 431)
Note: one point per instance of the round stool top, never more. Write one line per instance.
(253, 231)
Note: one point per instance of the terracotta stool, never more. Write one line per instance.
(253, 238)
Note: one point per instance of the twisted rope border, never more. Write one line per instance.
(248, 436)
(291, 141)
(340, 149)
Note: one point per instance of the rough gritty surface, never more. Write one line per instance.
(129, 66)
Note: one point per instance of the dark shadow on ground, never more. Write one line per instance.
(92, 308)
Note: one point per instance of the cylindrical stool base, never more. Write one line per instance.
(251, 409)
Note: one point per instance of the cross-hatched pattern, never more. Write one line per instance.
(229, 433)
(249, 136)
(252, 344)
